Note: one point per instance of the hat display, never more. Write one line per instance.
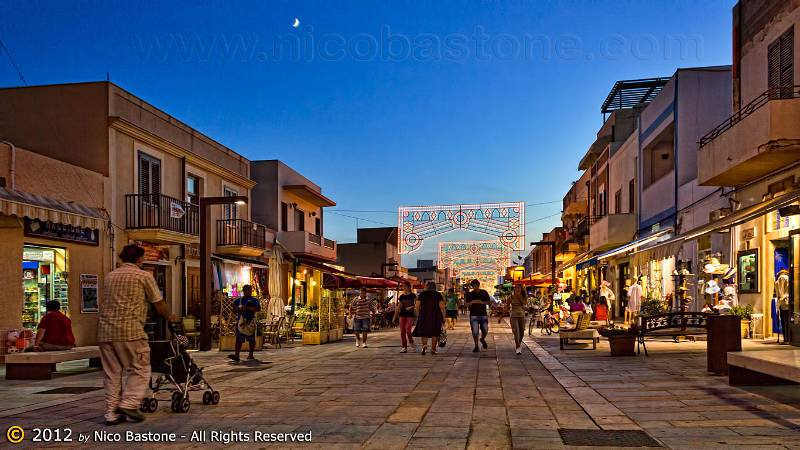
(605, 283)
(729, 274)
(712, 287)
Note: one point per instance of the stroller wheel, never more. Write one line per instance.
(145, 406)
(207, 397)
(152, 405)
(183, 405)
(215, 397)
(176, 396)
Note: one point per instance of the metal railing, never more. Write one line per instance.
(777, 93)
(241, 232)
(147, 211)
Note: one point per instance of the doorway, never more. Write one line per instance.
(623, 275)
(192, 306)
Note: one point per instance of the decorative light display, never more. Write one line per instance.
(481, 255)
(505, 221)
(488, 278)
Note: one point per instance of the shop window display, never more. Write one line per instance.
(44, 278)
(747, 265)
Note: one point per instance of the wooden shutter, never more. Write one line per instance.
(144, 175)
(774, 67)
(149, 175)
(155, 177)
(787, 63)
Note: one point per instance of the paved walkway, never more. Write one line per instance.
(352, 397)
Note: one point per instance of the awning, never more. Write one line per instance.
(235, 260)
(662, 250)
(632, 245)
(744, 215)
(309, 195)
(586, 264)
(323, 267)
(574, 261)
(24, 204)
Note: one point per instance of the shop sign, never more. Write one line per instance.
(748, 233)
(192, 251)
(61, 232)
(153, 252)
(38, 254)
(89, 289)
(176, 210)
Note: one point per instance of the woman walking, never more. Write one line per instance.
(430, 306)
(519, 300)
(452, 309)
(405, 311)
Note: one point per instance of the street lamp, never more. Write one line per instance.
(552, 246)
(205, 262)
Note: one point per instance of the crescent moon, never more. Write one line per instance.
(296, 22)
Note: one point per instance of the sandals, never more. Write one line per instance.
(424, 349)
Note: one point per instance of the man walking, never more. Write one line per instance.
(246, 308)
(129, 291)
(478, 301)
(361, 309)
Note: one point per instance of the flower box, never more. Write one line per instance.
(622, 345)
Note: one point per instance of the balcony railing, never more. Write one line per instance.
(327, 243)
(315, 239)
(777, 93)
(158, 211)
(241, 232)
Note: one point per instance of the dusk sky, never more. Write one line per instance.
(382, 103)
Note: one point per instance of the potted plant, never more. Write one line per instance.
(744, 313)
(621, 340)
(653, 306)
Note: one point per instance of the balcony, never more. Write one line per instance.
(161, 219)
(238, 237)
(308, 244)
(611, 231)
(759, 139)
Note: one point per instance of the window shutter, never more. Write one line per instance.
(774, 67)
(787, 63)
(155, 175)
(144, 176)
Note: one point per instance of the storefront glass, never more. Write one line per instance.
(44, 278)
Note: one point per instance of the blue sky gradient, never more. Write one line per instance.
(382, 103)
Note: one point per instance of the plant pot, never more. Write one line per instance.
(228, 344)
(745, 328)
(311, 338)
(622, 345)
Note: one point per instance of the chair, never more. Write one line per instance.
(286, 327)
(215, 326)
(272, 332)
(190, 329)
(297, 330)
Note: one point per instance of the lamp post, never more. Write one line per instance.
(552, 246)
(205, 262)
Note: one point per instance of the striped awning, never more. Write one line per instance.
(25, 204)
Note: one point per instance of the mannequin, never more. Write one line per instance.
(634, 301)
(781, 293)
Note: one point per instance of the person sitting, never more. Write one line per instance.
(55, 330)
(601, 310)
(707, 308)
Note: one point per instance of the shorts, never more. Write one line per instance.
(452, 314)
(242, 338)
(479, 324)
(361, 325)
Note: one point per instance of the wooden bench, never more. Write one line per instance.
(671, 325)
(581, 332)
(41, 365)
(764, 367)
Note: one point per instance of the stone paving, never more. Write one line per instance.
(350, 397)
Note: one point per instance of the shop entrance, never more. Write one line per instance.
(783, 278)
(623, 274)
(155, 326)
(44, 278)
(192, 306)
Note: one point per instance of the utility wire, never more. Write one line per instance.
(13, 64)
(360, 218)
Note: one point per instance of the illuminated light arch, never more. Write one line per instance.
(505, 221)
(488, 278)
(476, 255)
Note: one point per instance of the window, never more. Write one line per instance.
(299, 219)
(747, 265)
(231, 211)
(780, 65)
(318, 226)
(193, 189)
(149, 175)
(631, 196)
(618, 202)
(284, 217)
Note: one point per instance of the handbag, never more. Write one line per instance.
(443, 337)
(246, 327)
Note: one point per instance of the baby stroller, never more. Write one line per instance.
(173, 370)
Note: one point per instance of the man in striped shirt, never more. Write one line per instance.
(361, 309)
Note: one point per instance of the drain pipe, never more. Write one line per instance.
(13, 168)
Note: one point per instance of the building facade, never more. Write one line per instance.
(374, 254)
